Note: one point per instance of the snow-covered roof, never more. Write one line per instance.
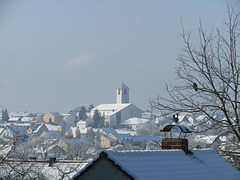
(108, 131)
(183, 119)
(135, 121)
(123, 136)
(20, 130)
(38, 128)
(51, 127)
(18, 114)
(56, 114)
(27, 119)
(110, 107)
(81, 122)
(170, 164)
(183, 129)
(14, 119)
(200, 117)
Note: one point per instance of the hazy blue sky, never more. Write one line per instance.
(56, 55)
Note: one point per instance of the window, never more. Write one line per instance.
(119, 91)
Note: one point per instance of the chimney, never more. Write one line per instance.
(175, 143)
(52, 160)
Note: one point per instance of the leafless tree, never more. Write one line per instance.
(208, 81)
(13, 164)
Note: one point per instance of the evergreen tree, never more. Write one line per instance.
(97, 139)
(90, 134)
(2, 115)
(82, 113)
(50, 120)
(97, 119)
(5, 116)
(90, 108)
(101, 122)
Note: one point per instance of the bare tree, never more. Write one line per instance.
(208, 82)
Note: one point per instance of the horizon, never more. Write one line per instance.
(59, 55)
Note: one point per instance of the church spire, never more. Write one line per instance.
(123, 94)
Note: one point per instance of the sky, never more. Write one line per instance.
(57, 55)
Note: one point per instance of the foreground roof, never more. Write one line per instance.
(170, 164)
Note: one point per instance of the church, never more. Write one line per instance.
(116, 113)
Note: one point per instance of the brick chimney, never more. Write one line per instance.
(175, 143)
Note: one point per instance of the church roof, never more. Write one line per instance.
(110, 107)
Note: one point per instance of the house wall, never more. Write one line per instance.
(47, 116)
(29, 130)
(113, 137)
(82, 124)
(103, 169)
(41, 130)
(104, 142)
(55, 119)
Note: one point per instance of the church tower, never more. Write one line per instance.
(123, 94)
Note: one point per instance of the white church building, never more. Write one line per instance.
(116, 113)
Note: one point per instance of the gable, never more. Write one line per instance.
(103, 168)
(7, 133)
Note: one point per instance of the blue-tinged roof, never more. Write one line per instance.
(123, 86)
(109, 130)
(108, 138)
(20, 130)
(56, 114)
(123, 136)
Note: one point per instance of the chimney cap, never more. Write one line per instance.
(183, 129)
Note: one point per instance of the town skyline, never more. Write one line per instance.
(59, 55)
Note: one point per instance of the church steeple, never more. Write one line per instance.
(123, 94)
